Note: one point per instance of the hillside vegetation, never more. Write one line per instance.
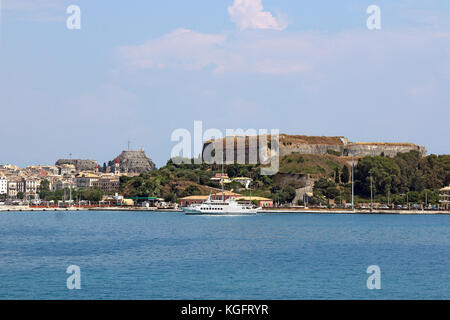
(391, 177)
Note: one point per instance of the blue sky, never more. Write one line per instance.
(139, 70)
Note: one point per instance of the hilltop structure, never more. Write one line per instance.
(80, 165)
(245, 145)
(132, 161)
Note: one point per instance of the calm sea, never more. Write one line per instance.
(140, 255)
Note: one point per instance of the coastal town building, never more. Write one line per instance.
(66, 169)
(107, 185)
(245, 181)
(187, 201)
(25, 183)
(42, 171)
(444, 196)
(3, 185)
(63, 184)
(86, 180)
(28, 186)
(226, 195)
(31, 187)
(260, 201)
(12, 189)
(21, 186)
(219, 177)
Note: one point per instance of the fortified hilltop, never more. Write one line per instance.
(134, 161)
(312, 145)
(80, 165)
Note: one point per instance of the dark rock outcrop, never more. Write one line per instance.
(134, 162)
(80, 165)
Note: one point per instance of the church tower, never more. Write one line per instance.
(117, 167)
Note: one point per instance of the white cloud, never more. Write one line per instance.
(29, 5)
(250, 14)
(182, 48)
(189, 50)
(311, 53)
(35, 10)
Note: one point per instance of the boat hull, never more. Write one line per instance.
(193, 212)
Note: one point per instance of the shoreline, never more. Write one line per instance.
(358, 211)
(40, 209)
(264, 211)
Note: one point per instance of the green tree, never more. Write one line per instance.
(44, 189)
(331, 192)
(287, 194)
(385, 174)
(189, 191)
(93, 194)
(337, 175)
(170, 197)
(345, 175)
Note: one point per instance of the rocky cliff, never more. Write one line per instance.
(80, 165)
(135, 162)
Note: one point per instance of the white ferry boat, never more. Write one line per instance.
(220, 207)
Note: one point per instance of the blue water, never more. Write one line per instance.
(141, 255)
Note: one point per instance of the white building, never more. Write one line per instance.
(66, 169)
(85, 181)
(244, 181)
(27, 186)
(3, 185)
(31, 186)
(63, 184)
(445, 198)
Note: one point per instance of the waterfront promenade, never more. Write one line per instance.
(356, 211)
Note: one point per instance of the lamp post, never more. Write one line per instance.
(407, 199)
(353, 185)
(371, 193)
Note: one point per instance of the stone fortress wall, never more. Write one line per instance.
(362, 149)
(80, 165)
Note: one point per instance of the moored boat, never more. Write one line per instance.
(221, 207)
